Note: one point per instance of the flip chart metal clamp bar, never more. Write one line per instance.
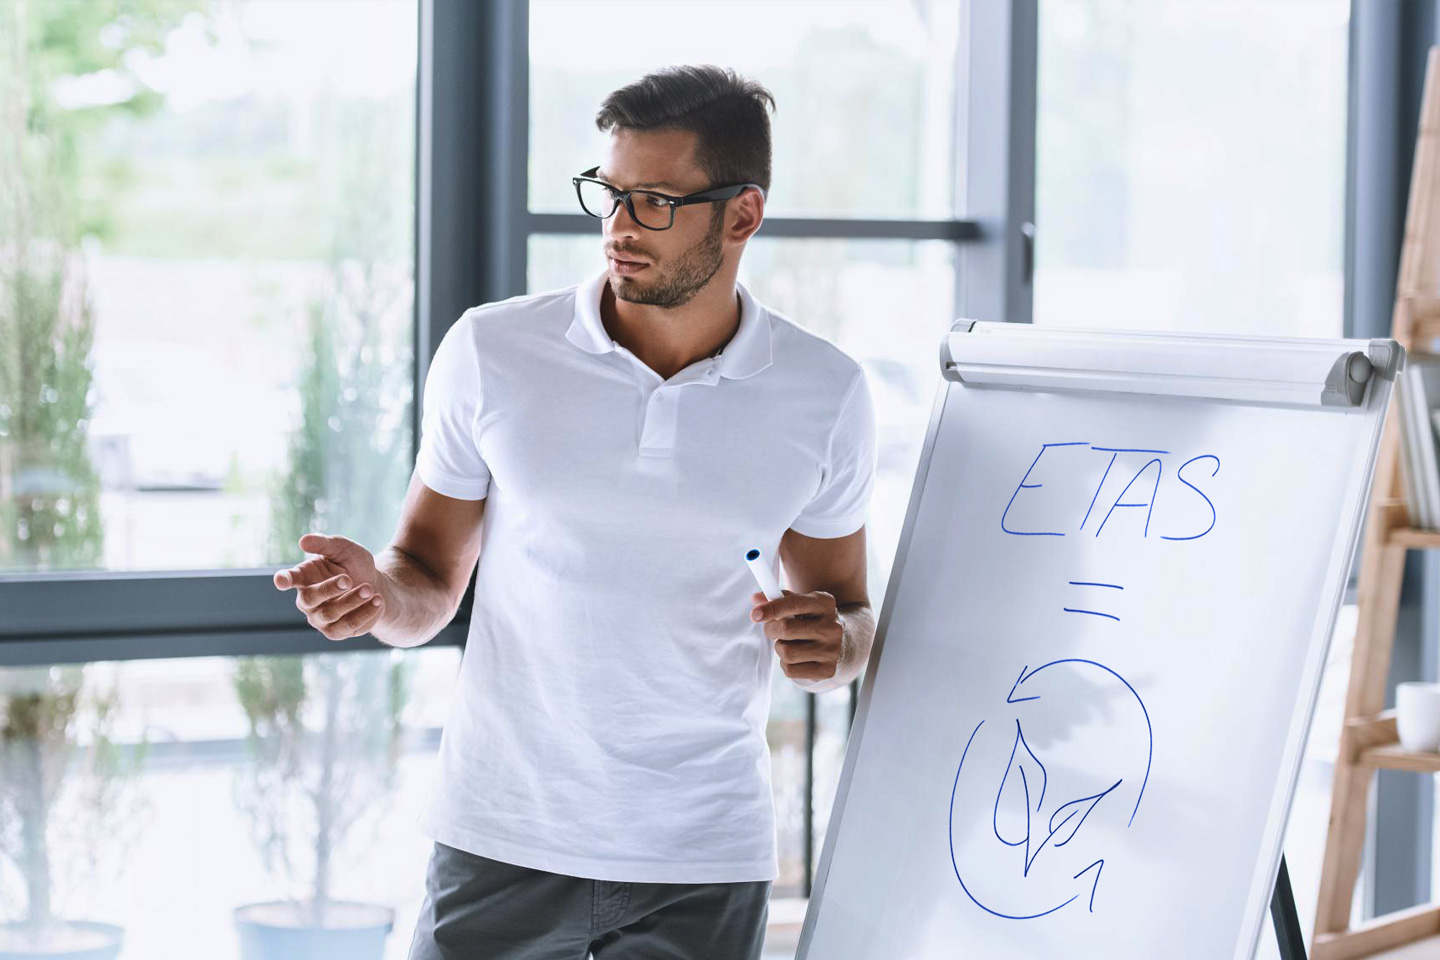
(1285, 370)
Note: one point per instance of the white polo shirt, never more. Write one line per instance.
(610, 717)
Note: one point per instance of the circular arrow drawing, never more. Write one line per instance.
(1016, 819)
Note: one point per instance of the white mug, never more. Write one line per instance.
(1417, 715)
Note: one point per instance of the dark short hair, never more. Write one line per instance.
(724, 110)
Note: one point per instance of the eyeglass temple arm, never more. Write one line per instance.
(719, 193)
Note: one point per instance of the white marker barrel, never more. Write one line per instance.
(763, 575)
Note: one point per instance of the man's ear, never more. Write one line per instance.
(745, 212)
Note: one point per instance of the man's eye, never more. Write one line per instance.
(655, 201)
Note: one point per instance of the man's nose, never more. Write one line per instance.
(621, 224)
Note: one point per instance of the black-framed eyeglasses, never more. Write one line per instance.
(649, 208)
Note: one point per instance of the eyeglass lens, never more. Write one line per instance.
(600, 201)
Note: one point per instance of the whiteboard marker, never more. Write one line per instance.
(771, 588)
(763, 575)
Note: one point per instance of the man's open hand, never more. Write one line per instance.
(337, 589)
(807, 631)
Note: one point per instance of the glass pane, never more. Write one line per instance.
(832, 736)
(785, 734)
(210, 246)
(1190, 168)
(177, 792)
(864, 93)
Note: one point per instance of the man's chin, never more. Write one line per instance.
(627, 288)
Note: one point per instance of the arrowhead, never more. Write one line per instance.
(1021, 679)
(1097, 866)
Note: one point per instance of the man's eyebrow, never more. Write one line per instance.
(600, 174)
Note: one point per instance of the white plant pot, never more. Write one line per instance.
(61, 940)
(281, 930)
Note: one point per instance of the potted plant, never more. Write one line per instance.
(67, 789)
(63, 788)
(325, 737)
(325, 729)
(56, 784)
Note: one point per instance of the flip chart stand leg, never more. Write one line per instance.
(1287, 923)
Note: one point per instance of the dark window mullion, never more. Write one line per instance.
(814, 228)
(177, 645)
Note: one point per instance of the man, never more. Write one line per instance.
(604, 781)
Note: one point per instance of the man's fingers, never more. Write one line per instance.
(808, 671)
(800, 627)
(314, 542)
(326, 590)
(783, 606)
(308, 598)
(351, 615)
(290, 577)
(336, 549)
(333, 610)
(795, 652)
(302, 574)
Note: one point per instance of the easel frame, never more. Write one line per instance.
(1287, 922)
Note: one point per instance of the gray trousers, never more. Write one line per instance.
(481, 909)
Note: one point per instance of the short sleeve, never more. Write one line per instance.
(448, 459)
(840, 506)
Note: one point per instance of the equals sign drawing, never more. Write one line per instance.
(1093, 613)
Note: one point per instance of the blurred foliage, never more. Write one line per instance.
(66, 39)
(57, 780)
(310, 781)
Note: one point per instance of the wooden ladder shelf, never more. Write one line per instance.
(1368, 739)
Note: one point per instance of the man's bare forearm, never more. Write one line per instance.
(417, 604)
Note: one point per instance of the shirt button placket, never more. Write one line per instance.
(658, 435)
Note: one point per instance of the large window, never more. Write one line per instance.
(207, 214)
(206, 280)
(1190, 166)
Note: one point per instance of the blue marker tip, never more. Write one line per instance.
(752, 554)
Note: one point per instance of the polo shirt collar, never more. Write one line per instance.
(747, 353)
